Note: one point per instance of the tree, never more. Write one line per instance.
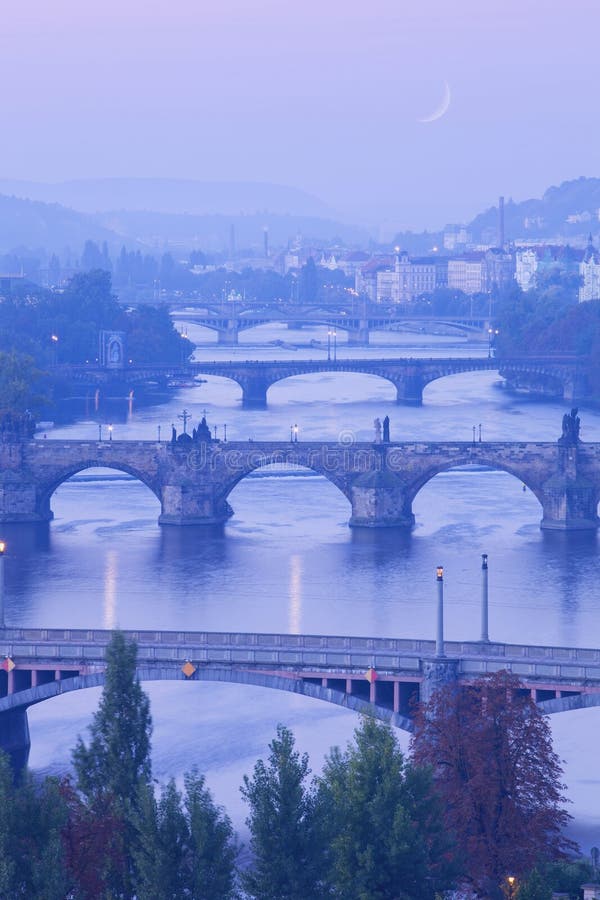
(162, 846)
(115, 767)
(500, 779)
(282, 825)
(212, 846)
(19, 381)
(186, 846)
(384, 823)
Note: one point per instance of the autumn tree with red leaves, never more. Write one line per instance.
(490, 748)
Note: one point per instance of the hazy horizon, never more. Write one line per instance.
(328, 99)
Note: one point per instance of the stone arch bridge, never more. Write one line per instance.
(193, 480)
(564, 377)
(383, 676)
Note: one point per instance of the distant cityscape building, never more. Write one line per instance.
(589, 269)
(456, 237)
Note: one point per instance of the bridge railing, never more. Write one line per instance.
(29, 641)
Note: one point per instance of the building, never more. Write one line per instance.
(468, 273)
(589, 269)
(526, 266)
(456, 237)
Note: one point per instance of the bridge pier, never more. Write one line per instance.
(14, 736)
(379, 501)
(361, 337)
(20, 500)
(190, 504)
(254, 393)
(569, 500)
(228, 336)
(438, 672)
(409, 390)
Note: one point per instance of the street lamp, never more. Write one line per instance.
(2, 552)
(54, 339)
(492, 333)
(439, 642)
(158, 427)
(110, 432)
(99, 431)
(329, 345)
(225, 433)
(511, 883)
(295, 434)
(334, 345)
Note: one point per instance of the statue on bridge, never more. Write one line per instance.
(386, 430)
(570, 429)
(377, 427)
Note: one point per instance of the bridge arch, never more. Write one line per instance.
(465, 460)
(32, 696)
(288, 460)
(62, 475)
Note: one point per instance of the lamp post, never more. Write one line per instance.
(511, 884)
(439, 641)
(492, 333)
(99, 431)
(158, 428)
(334, 345)
(473, 434)
(480, 432)
(485, 638)
(110, 432)
(54, 339)
(295, 434)
(329, 345)
(291, 433)
(225, 433)
(2, 552)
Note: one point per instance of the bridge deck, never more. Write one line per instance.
(307, 653)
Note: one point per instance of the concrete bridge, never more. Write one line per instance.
(357, 322)
(383, 676)
(192, 480)
(564, 377)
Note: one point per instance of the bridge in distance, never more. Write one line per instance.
(564, 377)
(357, 320)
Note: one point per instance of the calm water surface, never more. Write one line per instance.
(287, 561)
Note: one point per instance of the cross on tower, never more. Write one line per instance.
(185, 415)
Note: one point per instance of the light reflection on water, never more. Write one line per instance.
(287, 561)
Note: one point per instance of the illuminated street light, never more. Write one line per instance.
(2, 552)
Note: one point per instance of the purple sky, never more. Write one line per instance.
(322, 95)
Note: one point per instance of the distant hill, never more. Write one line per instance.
(171, 195)
(213, 232)
(567, 211)
(33, 225)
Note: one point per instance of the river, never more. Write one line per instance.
(287, 560)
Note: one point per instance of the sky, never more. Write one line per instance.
(322, 95)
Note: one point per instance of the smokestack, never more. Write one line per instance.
(266, 241)
(501, 223)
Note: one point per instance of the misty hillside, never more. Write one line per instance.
(171, 195)
(567, 210)
(213, 232)
(33, 225)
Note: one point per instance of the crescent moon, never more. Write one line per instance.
(442, 109)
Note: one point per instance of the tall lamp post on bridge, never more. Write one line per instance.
(329, 345)
(439, 641)
(334, 345)
(492, 334)
(485, 638)
(2, 552)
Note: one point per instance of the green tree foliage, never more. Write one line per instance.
(491, 750)
(186, 845)
(382, 822)
(151, 337)
(19, 383)
(115, 766)
(32, 817)
(284, 837)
